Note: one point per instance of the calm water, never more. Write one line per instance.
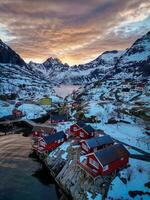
(65, 90)
(22, 178)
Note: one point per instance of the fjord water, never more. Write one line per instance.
(64, 90)
(20, 176)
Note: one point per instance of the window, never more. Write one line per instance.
(92, 133)
(84, 147)
(94, 163)
(75, 128)
(81, 134)
(105, 168)
(122, 158)
(58, 141)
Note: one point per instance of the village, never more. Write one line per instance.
(96, 154)
(84, 153)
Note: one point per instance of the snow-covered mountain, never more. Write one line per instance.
(133, 62)
(16, 76)
(55, 71)
(137, 57)
(7, 55)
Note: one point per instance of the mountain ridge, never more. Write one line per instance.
(132, 62)
(9, 56)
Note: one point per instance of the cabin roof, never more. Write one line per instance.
(81, 124)
(58, 117)
(99, 141)
(111, 154)
(88, 129)
(51, 138)
(41, 127)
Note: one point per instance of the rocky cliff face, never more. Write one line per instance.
(7, 55)
(137, 57)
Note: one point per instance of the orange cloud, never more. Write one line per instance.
(74, 31)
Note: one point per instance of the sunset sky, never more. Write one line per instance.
(75, 31)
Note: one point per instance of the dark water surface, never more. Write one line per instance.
(22, 178)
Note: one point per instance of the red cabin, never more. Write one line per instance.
(42, 130)
(97, 143)
(86, 132)
(17, 113)
(105, 161)
(75, 127)
(49, 143)
(80, 129)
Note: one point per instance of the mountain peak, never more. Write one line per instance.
(53, 61)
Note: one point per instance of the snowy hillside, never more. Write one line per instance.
(22, 81)
(7, 55)
(133, 62)
(137, 57)
(58, 73)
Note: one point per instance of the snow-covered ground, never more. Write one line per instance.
(5, 108)
(139, 174)
(32, 111)
(63, 147)
(131, 134)
(63, 126)
(90, 196)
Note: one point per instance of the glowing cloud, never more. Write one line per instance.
(74, 31)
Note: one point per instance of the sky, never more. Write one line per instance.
(75, 31)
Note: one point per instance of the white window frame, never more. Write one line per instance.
(94, 163)
(59, 141)
(105, 168)
(81, 134)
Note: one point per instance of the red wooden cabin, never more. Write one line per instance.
(97, 143)
(42, 130)
(17, 113)
(49, 143)
(105, 161)
(75, 127)
(85, 132)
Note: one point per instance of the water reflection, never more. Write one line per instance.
(64, 90)
(22, 178)
(43, 175)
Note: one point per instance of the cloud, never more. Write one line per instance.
(75, 31)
